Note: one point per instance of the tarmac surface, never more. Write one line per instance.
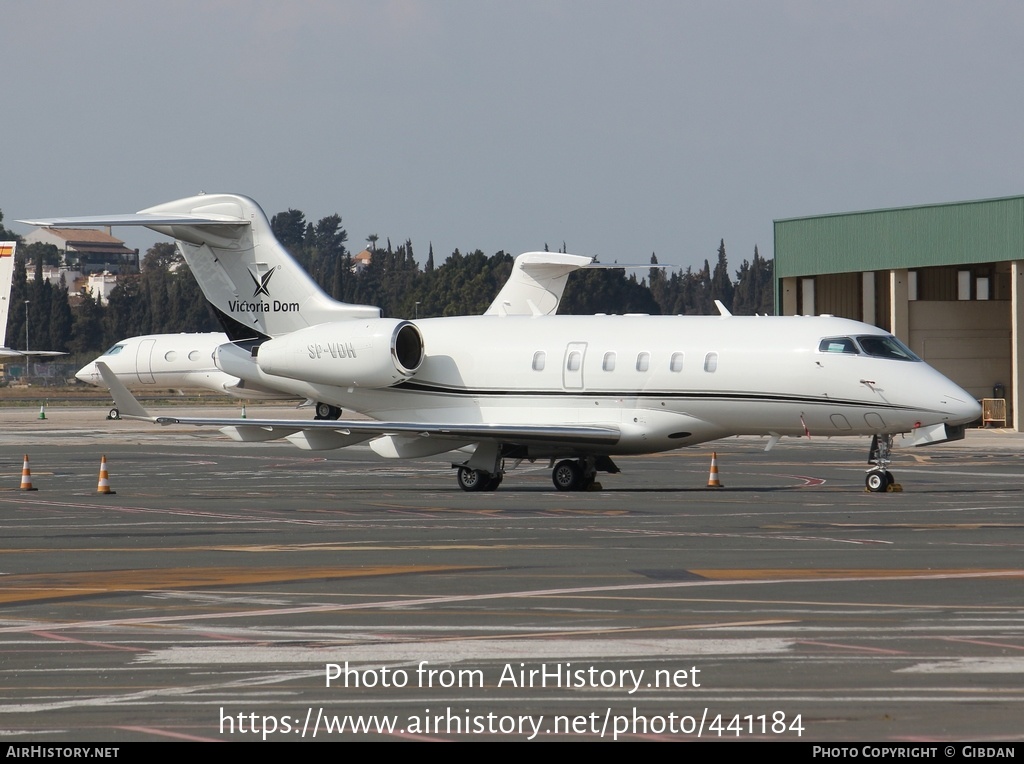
(256, 591)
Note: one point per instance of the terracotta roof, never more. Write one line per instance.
(85, 235)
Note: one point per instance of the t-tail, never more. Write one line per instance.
(256, 287)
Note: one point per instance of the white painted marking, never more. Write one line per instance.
(453, 651)
(968, 666)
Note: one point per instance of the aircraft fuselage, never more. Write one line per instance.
(663, 381)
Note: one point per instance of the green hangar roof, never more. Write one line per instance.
(982, 231)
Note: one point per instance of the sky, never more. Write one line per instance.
(616, 128)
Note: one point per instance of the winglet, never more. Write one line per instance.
(722, 310)
(126, 402)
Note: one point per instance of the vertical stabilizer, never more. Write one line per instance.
(244, 271)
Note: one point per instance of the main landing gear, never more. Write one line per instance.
(477, 480)
(327, 411)
(879, 478)
(574, 474)
(567, 474)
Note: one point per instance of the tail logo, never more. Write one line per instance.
(262, 283)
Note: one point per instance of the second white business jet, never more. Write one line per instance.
(576, 390)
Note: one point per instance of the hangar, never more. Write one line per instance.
(947, 279)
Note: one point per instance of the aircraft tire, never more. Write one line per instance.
(567, 475)
(114, 414)
(472, 480)
(327, 411)
(493, 482)
(877, 480)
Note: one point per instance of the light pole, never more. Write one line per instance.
(417, 309)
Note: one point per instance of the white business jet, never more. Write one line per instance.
(503, 387)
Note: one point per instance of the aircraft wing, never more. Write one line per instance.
(335, 434)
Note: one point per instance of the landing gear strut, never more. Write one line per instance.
(879, 478)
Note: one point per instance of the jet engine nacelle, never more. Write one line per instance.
(368, 353)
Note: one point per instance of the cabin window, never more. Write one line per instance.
(676, 362)
(171, 356)
(643, 362)
(837, 345)
(608, 364)
(573, 363)
(538, 360)
(711, 362)
(193, 355)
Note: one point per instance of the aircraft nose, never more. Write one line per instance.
(963, 407)
(88, 374)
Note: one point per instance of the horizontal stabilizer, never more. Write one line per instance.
(135, 218)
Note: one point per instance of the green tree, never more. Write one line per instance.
(605, 290)
(87, 335)
(161, 256)
(60, 319)
(755, 287)
(6, 234)
(721, 285)
(16, 315)
(47, 254)
(290, 229)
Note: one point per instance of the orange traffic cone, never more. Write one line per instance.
(713, 477)
(26, 477)
(104, 484)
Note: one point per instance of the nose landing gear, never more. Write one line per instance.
(879, 478)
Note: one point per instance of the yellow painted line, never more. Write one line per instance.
(326, 547)
(48, 586)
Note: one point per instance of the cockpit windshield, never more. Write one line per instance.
(873, 345)
(115, 350)
(886, 347)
